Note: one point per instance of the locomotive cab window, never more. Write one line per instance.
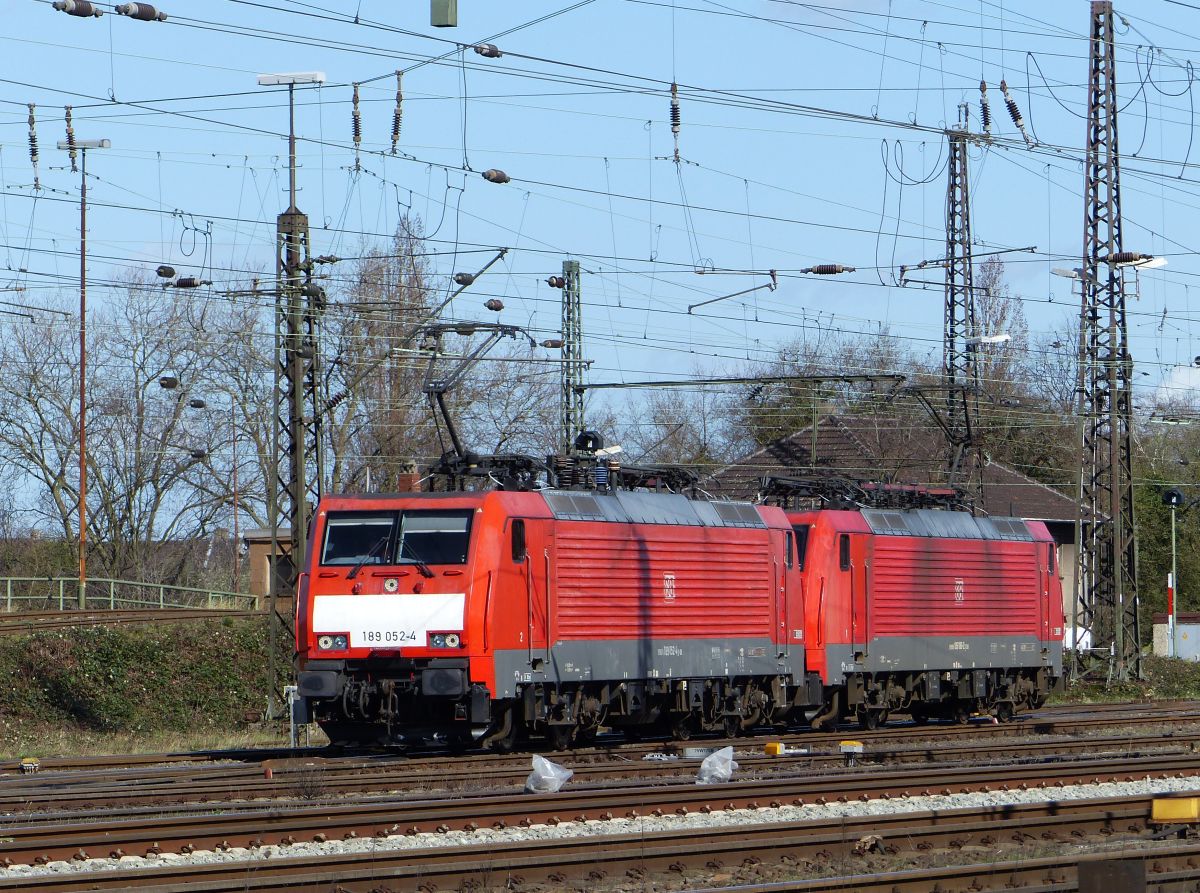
(406, 537)
(434, 537)
(844, 551)
(801, 531)
(788, 544)
(351, 537)
(518, 539)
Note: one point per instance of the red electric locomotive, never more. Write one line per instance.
(484, 616)
(933, 613)
(487, 615)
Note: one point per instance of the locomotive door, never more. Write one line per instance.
(535, 574)
(852, 562)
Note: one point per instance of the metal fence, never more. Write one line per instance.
(47, 593)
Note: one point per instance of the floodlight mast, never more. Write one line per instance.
(296, 430)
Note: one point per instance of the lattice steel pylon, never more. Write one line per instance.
(1106, 603)
(297, 483)
(960, 372)
(572, 357)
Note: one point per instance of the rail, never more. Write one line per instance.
(45, 593)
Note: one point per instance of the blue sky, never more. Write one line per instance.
(811, 133)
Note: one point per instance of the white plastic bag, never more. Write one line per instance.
(546, 777)
(717, 767)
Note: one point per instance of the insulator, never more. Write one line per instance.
(81, 8)
(556, 282)
(553, 343)
(494, 304)
(985, 110)
(33, 146)
(72, 152)
(190, 282)
(143, 11)
(1124, 257)
(398, 114)
(166, 271)
(675, 118)
(1013, 111)
(464, 278)
(493, 175)
(488, 50)
(356, 120)
(828, 269)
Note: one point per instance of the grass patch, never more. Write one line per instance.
(144, 688)
(1167, 679)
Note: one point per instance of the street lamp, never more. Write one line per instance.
(170, 383)
(83, 146)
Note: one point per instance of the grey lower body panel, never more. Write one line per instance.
(902, 655)
(617, 660)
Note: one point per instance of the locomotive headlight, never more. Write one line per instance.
(437, 640)
(325, 643)
(339, 642)
(452, 640)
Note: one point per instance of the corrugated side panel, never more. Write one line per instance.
(667, 582)
(927, 587)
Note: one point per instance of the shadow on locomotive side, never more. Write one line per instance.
(579, 595)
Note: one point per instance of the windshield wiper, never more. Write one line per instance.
(421, 565)
(374, 551)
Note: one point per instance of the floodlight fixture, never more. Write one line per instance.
(989, 339)
(84, 144)
(291, 78)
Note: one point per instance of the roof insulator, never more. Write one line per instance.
(464, 278)
(141, 11)
(494, 175)
(81, 8)
(494, 304)
(556, 282)
(488, 50)
(166, 271)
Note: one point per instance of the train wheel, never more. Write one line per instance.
(682, 727)
(961, 715)
(732, 726)
(559, 736)
(868, 720)
(1004, 711)
(884, 715)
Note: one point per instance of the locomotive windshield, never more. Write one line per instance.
(404, 537)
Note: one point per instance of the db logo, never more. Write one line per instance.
(960, 591)
(669, 587)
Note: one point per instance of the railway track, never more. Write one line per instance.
(220, 828)
(321, 779)
(853, 846)
(313, 777)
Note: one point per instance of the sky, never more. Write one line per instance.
(810, 133)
